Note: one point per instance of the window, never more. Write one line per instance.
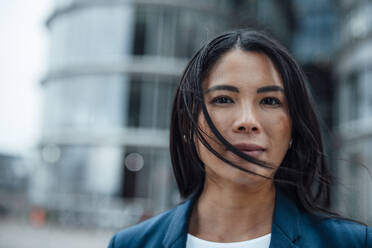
(353, 97)
(150, 102)
(86, 102)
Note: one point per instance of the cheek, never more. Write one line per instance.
(208, 159)
(279, 127)
(221, 117)
(205, 155)
(206, 130)
(203, 125)
(285, 126)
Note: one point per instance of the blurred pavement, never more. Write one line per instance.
(21, 234)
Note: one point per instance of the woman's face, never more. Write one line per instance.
(245, 99)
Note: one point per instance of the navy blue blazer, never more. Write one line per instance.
(291, 228)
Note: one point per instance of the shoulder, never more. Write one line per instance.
(336, 232)
(166, 229)
(317, 230)
(149, 231)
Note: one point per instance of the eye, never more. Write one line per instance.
(272, 101)
(222, 100)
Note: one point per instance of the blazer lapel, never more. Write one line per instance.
(176, 234)
(286, 227)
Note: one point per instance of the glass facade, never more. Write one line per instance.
(356, 100)
(353, 112)
(113, 69)
(315, 38)
(86, 109)
(151, 102)
(80, 36)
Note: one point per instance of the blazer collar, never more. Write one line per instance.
(176, 234)
(285, 229)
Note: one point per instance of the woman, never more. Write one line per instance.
(247, 154)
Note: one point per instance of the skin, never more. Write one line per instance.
(244, 98)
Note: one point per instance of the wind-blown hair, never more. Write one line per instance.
(303, 174)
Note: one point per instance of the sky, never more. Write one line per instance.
(23, 51)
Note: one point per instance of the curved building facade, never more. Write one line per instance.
(113, 68)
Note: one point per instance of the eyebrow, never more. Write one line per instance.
(234, 89)
(222, 87)
(270, 88)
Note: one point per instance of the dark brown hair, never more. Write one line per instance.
(303, 174)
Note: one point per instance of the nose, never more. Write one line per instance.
(246, 121)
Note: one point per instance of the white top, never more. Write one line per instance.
(260, 242)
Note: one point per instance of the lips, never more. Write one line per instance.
(252, 150)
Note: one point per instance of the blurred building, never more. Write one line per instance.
(353, 109)
(113, 69)
(13, 185)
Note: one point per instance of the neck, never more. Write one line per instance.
(233, 213)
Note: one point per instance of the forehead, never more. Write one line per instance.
(243, 69)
